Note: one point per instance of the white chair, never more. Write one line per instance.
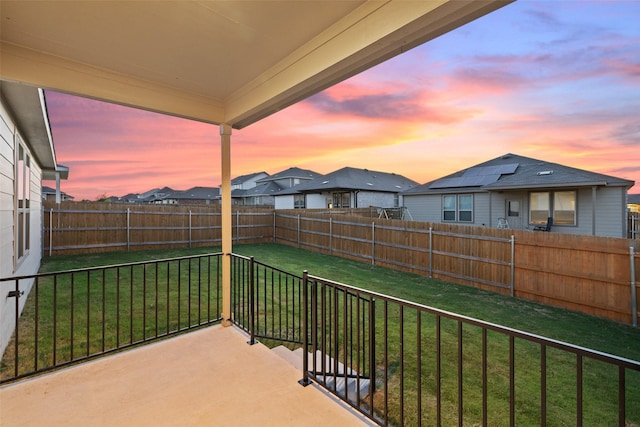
(503, 223)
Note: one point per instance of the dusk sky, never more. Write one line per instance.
(553, 80)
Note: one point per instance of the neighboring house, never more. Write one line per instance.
(197, 195)
(267, 187)
(27, 157)
(49, 194)
(525, 192)
(347, 188)
(633, 202)
(241, 184)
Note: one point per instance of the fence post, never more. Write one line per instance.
(274, 226)
(634, 301)
(252, 308)
(51, 231)
(305, 330)
(330, 235)
(298, 231)
(513, 262)
(373, 243)
(430, 252)
(237, 226)
(128, 229)
(189, 228)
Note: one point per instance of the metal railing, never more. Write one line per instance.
(402, 363)
(81, 314)
(266, 301)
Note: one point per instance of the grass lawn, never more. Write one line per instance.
(600, 382)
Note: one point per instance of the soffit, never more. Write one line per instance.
(229, 62)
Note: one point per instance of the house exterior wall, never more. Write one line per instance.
(610, 212)
(30, 262)
(375, 198)
(283, 202)
(317, 201)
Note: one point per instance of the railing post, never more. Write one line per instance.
(634, 301)
(305, 330)
(372, 352)
(513, 264)
(252, 308)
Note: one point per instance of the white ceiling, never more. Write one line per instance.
(231, 62)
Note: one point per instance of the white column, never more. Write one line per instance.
(225, 139)
(58, 198)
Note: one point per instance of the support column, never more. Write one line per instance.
(58, 198)
(225, 142)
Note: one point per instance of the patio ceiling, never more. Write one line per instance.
(232, 62)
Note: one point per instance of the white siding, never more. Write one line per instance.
(30, 263)
(317, 201)
(283, 202)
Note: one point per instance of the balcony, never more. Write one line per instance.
(206, 377)
(386, 361)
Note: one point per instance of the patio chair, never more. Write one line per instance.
(546, 227)
(503, 223)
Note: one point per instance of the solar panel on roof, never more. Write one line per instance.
(476, 176)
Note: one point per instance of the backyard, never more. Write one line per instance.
(600, 381)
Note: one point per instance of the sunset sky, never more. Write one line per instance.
(553, 80)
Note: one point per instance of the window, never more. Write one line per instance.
(539, 208)
(298, 201)
(23, 196)
(457, 208)
(341, 200)
(561, 205)
(396, 200)
(564, 208)
(513, 208)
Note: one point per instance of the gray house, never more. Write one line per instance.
(524, 193)
(265, 188)
(347, 188)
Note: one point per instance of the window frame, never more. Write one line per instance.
(22, 201)
(551, 209)
(449, 209)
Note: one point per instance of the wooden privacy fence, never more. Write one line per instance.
(594, 275)
(99, 227)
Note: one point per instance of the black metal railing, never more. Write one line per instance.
(81, 314)
(266, 301)
(402, 363)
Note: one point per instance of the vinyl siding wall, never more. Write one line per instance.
(487, 208)
(30, 262)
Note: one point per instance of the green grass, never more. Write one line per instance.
(600, 381)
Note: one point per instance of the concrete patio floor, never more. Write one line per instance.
(210, 377)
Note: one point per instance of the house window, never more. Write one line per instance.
(23, 196)
(564, 208)
(396, 200)
(457, 208)
(341, 200)
(298, 201)
(561, 205)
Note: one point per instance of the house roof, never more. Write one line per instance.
(232, 62)
(512, 172)
(197, 193)
(293, 172)
(264, 189)
(633, 199)
(351, 179)
(244, 178)
(28, 109)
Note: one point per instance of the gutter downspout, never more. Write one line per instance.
(226, 222)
